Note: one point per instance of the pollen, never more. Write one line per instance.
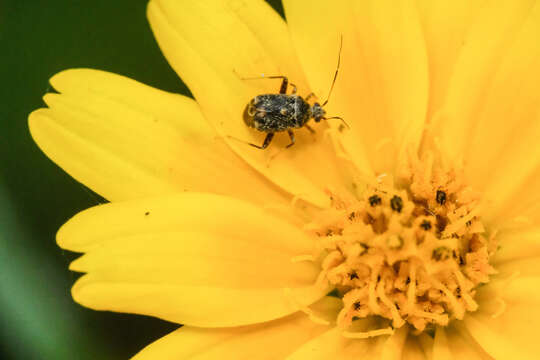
(412, 249)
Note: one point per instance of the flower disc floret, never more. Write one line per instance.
(412, 250)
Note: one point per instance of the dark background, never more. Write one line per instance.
(38, 318)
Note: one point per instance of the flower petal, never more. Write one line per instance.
(126, 140)
(497, 343)
(212, 45)
(382, 85)
(504, 331)
(333, 345)
(516, 245)
(518, 290)
(491, 113)
(524, 267)
(192, 258)
(413, 351)
(441, 348)
(272, 340)
(520, 209)
(445, 25)
(463, 346)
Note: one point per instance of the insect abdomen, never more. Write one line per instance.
(279, 112)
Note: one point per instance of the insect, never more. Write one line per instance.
(271, 113)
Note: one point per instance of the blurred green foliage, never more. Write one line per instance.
(38, 318)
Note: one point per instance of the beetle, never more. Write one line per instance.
(271, 113)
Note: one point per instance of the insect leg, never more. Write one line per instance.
(291, 135)
(266, 142)
(293, 88)
(284, 83)
(309, 128)
(283, 88)
(310, 96)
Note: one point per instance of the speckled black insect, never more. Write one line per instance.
(271, 113)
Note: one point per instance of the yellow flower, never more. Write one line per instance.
(423, 218)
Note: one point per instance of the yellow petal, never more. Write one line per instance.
(445, 25)
(212, 45)
(192, 258)
(508, 126)
(481, 73)
(500, 337)
(412, 350)
(441, 349)
(272, 340)
(126, 140)
(521, 208)
(394, 347)
(463, 346)
(502, 326)
(382, 84)
(524, 267)
(517, 290)
(517, 244)
(332, 344)
(448, 343)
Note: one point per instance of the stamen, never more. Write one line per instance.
(333, 135)
(439, 319)
(411, 291)
(367, 334)
(396, 318)
(471, 304)
(305, 309)
(372, 294)
(411, 249)
(382, 143)
(501, 309)
(458, 309)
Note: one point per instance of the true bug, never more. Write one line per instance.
(271, 113)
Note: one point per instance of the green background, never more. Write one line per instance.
(38, 318)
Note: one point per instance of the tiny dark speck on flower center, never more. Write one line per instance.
(396, 203)
(426, 225)
(441, 197)
(147, 213)
(374, 200)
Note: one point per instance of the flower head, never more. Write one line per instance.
(413, 234)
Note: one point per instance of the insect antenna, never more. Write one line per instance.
(337, 117)
(335, 74)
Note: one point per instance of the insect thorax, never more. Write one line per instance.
(277, 112)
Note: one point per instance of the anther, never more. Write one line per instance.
(368, 334)
(374, 200)
(396, 203)
(426, 225)
(421, 266)
(440, 197)
(394, 242)
(441, 253)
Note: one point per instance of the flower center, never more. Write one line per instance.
(411, 250)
